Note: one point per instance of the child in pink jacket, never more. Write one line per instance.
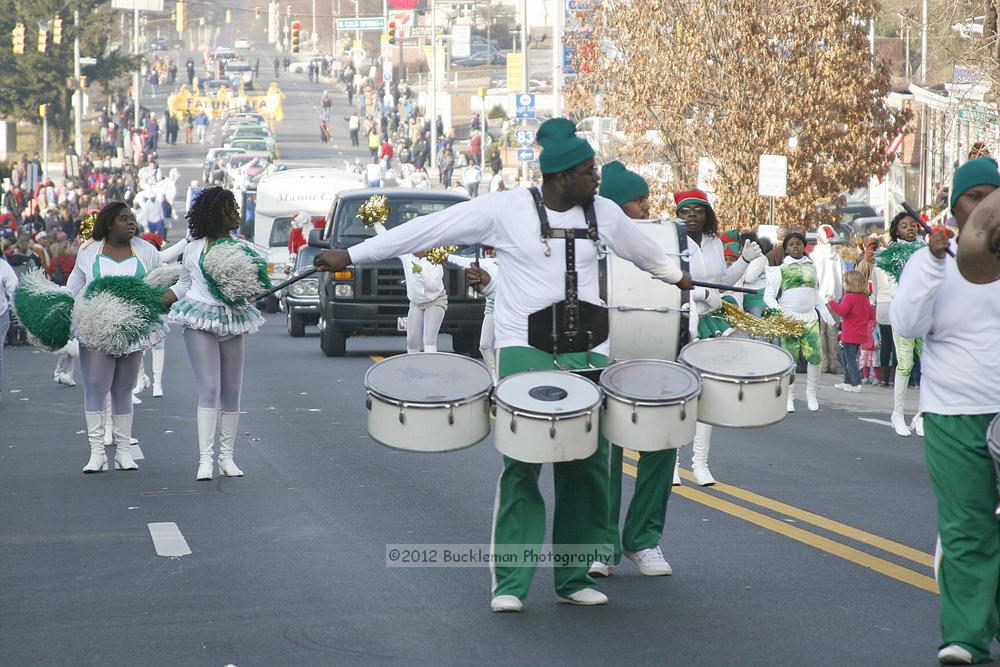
(856, 312)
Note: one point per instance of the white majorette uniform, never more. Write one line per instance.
(102, 373)
(167, 256)
(486, 334)
(428, 302)
(534, 279)
(213, 335)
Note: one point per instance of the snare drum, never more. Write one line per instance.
(429, 402)
(547, 416)
(644, 314)
(650, 404)
(745, 381)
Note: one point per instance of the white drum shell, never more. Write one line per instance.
(743, 404)
(428, 428)
(539, 439)
(644, 316)
(654, 427)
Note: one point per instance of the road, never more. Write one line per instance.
(817, 549)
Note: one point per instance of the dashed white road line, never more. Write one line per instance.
(875, 421)
(167, 540)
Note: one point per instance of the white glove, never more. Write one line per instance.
(751, 251)
(826, 315)
(712, 300)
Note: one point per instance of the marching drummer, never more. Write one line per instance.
(547, 243)
(959, 397)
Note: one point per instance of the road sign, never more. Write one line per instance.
(387, 75)
(364, 23)
(708, 171)
(141, 5)
(461, 41)
(421, 31)
(772, 176)
(525, 109)
(525, 154)
(525, 137)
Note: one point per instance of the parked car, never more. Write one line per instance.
(256, 147)
(491, 56)
(210, 158)
(252, 132)
(852, 211)
(300, 301)
(241, 43)
(302, 66)
(371, 300)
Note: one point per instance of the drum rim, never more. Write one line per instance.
(396, 401)
(687, 398)
(543, 415)
(427, 404)
(738, 379)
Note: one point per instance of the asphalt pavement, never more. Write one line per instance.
(815, 550)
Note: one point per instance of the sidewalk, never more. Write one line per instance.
(874, 401)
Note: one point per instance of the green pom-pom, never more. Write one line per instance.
(44, 310)
(893, 259)
(147, 299)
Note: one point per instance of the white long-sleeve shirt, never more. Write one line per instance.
(532, 280)
(799, 303)
(425, 285)
(8, 283)
(707, 262)
(959, 322)
(829, 272)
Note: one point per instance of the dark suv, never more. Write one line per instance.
(370, 300)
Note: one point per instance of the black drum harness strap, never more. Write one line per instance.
(570, 325)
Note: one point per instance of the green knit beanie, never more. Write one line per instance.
(621, 185)
(561, 148)
(981, 171)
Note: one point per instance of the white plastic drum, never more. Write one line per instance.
(745, 382)
(993, 446)
(547, 417)
(644, 315)
(430, 402)
(650, 404)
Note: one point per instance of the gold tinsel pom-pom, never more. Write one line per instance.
(87, 226)
(768, 326)
(375, 210)
(440, 255)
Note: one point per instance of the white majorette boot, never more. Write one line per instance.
(158, 356)
(95, 436)
(108, 428)
(677, 469)
(812, 385)
(208, 420)
(699, 459)
(122, 434)
(227, 441)
(430, 348)
(791, 396)
(898, 401)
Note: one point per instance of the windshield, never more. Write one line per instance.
(237, 67)
(240, 160)
(251, 146)
(304, 258)
(281, 229)
(350, 230)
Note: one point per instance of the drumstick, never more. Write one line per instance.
(305, 274)
(723, 288)
(916, 216)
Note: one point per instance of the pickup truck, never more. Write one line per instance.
(370, 300)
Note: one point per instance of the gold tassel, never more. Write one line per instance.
(375, 210)
(775, 325)
(440, 255)
(87, 227)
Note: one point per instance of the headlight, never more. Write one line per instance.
(343, 290)
(304, 288)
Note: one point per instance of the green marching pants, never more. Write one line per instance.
(964, 483)
(581, 497)
(648, 510)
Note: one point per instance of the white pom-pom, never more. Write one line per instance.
(165, 275)
(36, 282)
(107, 323)
(234, 271)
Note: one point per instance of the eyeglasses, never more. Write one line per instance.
(592, 171)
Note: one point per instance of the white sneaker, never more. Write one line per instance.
(599, 569)
(842, 386)
(953, 654)
(899, 424)
(136, 400)
(157, 391)
(503, 603)
(918, 425)
(650, 561)
(585, 597)
(855, 389)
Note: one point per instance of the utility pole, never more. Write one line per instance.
(524, 73)
(78, 107)
(923, 42)
(557, 59)
(138, 72)
(433, 80)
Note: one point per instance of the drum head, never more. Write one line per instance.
(548, 393)
(736, 357)
(651, 380)
(429, 377)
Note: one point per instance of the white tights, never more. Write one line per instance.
(218, 368)
(102, 374)
(422, 326)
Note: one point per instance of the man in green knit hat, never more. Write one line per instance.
(529, 228)
(639, 540)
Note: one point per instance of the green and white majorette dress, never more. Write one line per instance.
(791, 287)
(92, 263)
(198, 308)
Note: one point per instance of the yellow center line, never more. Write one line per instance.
(889, 546)
(851, 554)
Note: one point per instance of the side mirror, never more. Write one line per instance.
(316, 239)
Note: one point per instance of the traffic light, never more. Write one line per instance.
(83, 82)
(43, 38)
(57, 30)
(256, 13)
(296, 27)
(43, 110)
(229, 16)
(180, 16)
(18, 38)
(392, 31)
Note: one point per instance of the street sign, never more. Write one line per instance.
(461, 41)
(387, 75)
(525, 137)
(707, 173)
(525, 108)
(772, 176)
(364, 23)
(525, 154)
(421, 31)
(141, 5)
